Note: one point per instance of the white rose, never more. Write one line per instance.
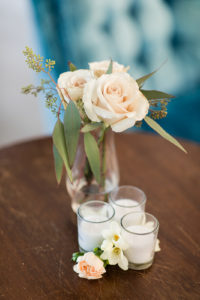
(72, 83)
(116, 100)
(101, 67)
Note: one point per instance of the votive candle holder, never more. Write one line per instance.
(93, 217)
(126, 199)
(140, 230)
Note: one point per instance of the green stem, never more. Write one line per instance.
(88, 172)
(104, 159)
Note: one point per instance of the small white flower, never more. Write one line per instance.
(113, 246)
(115, 256)
(113, 236)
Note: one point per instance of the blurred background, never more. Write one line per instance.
(138, 33)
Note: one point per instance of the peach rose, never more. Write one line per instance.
(116, 100)
(89, 266)
(72, 83)
(100, 68)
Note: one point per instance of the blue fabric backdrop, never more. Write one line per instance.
(139, 33)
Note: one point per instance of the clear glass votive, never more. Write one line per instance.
(93, 217)
(126, 199)
(140, 230)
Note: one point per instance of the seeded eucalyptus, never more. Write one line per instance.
(47, 87)
(36, 62)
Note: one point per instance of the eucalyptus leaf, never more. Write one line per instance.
(91, 126)
(155, 126)
(59, 142)
(110, 67)
(72, 67)
(58, 163)
(152, 94)
(72, 124)
(92, 152)
(141, 80)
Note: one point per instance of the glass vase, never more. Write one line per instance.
(84, 186)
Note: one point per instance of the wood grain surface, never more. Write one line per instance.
(38, 231)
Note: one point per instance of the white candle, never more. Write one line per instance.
(93, 217)
(89, 233)
(141, 247)
(124, 206)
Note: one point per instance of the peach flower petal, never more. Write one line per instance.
(89, 266)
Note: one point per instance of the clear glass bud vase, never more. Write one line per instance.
(84, 186)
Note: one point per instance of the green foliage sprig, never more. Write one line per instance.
(158, 109)
(158, 100)
(51, 96)
(158, 103)
(51, 103)
(38, 64)
(65, 134)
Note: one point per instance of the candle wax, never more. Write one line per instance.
(141, 247)
(89, 234)
(124, 206)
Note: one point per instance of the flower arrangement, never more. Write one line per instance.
(94, 100)
(101, 97)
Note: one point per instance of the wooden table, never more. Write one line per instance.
(38, 231)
